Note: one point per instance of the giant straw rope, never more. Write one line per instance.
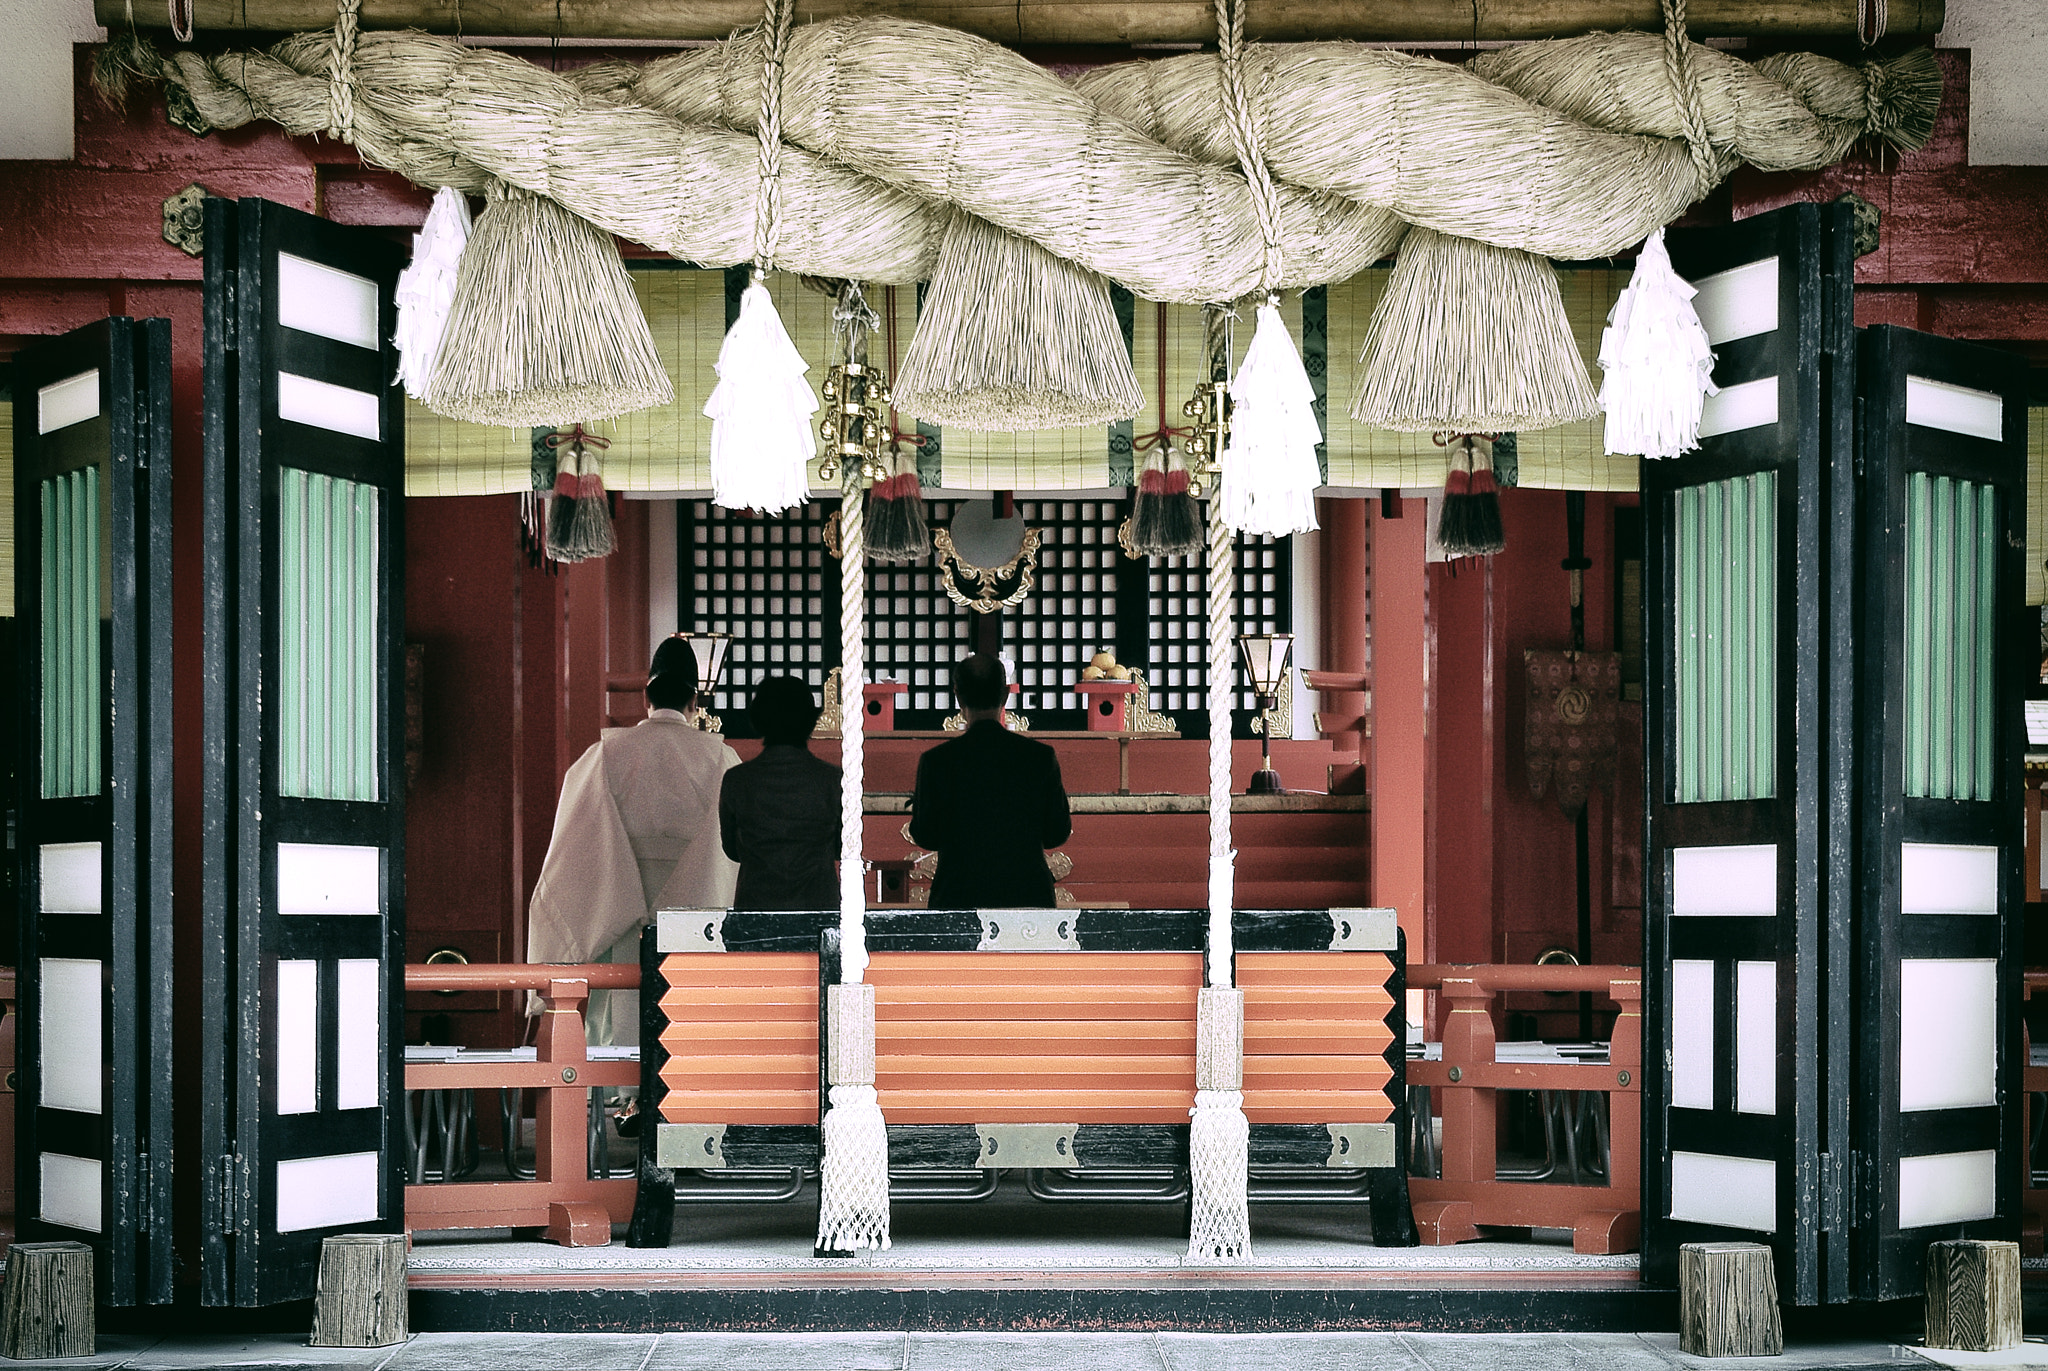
(1571, 149)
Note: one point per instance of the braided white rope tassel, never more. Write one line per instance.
(853, 1170)
(853, 1176)
(1219, 1138)
(1219, 1227)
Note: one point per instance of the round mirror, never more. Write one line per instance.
(985, 562)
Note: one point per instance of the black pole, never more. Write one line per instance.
(1576, 564)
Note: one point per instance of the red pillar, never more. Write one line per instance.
(1399, 723)
(1346, 611)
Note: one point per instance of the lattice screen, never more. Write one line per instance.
(769, 583)
(1177, 604)
(915, 633)
(1072, 615)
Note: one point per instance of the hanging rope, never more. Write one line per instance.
(1222, 860)
(853, 1180)
(341, 75)
(1685, 86)
(855, 320)
(1219, 1215)
(1244, 138)
(768, 196)
(853, 559)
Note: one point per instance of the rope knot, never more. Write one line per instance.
(341, 74)
(1244, 138)
(1685, 87)
(775, 24)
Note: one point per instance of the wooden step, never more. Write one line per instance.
(1043, 1037)
(741, 1106)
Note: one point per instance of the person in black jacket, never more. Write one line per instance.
(990, 803)
(778, 815)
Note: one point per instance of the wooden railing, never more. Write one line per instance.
(561, 1196)
(1470, 1193)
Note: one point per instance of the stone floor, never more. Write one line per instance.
(1008, 1352)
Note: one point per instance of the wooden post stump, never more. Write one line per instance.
(46, 1302)
(1973, 1295)
(362, 1291)
(1728, 1301)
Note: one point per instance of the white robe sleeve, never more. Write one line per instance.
(589, 893)
(705, 878)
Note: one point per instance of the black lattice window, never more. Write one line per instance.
(1177, 607)
(916, 633)
(1072, 612)
(767, 581)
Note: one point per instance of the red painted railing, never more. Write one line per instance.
(1603, 1218)
(561, 1196)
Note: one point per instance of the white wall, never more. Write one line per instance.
(35, 99)
(2008, 43)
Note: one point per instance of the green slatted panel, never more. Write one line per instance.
(1725, 628)
(72, 525)
(327, 624)
(1951, 546)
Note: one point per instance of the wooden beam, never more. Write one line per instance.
(1061, 21)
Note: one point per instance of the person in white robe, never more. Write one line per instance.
(636, 830)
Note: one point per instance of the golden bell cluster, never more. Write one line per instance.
(1210, 411)
(855, 428)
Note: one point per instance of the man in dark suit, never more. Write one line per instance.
(778, 815)
(990, 803)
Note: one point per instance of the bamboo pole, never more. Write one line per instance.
(1060, 21)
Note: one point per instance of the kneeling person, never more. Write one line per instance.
(778, 815)
(990, 803)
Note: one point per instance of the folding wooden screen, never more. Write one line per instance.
(1737, 552)
(1941, 649)
(92, 502)
(303, 773)
(1833, 663)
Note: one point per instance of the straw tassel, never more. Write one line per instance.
(760, 412)
(1658, 361)
(1012, 338)
(426, 288)
(1470, 338)
(896, 526)
(1269, 470)
(544, 328)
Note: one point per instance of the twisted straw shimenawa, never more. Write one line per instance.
(892, 122)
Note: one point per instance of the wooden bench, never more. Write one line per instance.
(1049, 1039)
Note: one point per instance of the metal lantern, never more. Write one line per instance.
(1265, 657)
(709, 649)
